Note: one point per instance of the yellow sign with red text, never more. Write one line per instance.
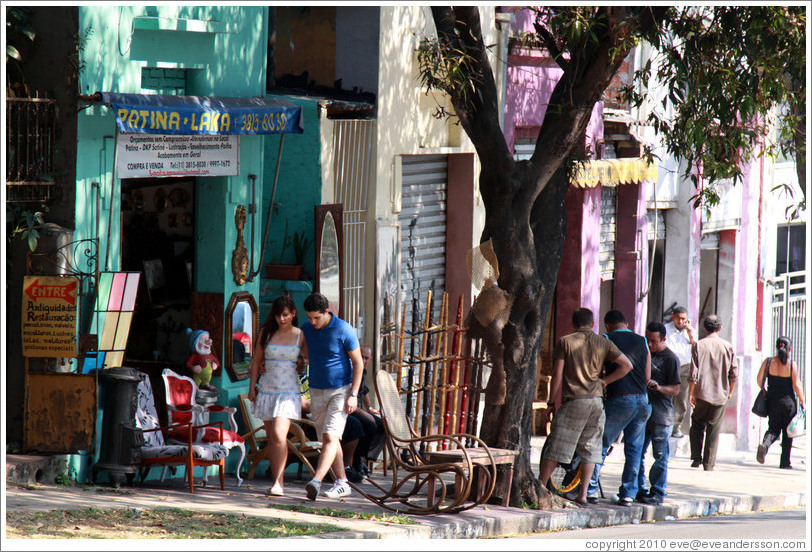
(50, 316)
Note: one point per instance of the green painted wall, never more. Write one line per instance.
(223, 50)
(297, 192)
(299, 186)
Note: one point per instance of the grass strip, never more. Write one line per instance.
(142, 523)
(348, 514)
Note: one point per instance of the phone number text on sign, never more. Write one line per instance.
(269, 122)
(167, 155)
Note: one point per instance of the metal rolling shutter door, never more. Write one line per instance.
(423, 229)
(606, 257)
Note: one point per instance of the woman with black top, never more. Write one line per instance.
(782, 378)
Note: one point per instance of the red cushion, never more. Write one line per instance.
(181, 417)
(179, 392)
(212, 435)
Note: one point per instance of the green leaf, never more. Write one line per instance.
(33, 238)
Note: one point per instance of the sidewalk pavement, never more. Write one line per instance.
(738, 484)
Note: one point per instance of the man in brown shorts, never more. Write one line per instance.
(577, 416)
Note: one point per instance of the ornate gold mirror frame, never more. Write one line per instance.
(241, 330)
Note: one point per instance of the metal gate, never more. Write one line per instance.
(789, 315)
(353, 144)
(423, 228)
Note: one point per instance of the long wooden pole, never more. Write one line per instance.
(476, 390)
(441, 420)
(453, 374)
(439, 345)
(409, 383)
(465, 390)
(401, 343)
(425, 369)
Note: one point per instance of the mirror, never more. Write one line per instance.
(329, 253)
(241, 327)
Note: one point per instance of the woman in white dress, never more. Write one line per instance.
(274, 389)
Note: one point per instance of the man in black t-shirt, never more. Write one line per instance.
(662, 388)
(626, 407)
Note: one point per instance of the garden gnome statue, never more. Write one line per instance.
(201, 362)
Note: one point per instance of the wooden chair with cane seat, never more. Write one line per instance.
(301, 448)
(420, 484)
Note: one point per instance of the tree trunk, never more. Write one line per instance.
(524, 206)
(799, 143)
(530, 278)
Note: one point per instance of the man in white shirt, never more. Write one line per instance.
(680, 339)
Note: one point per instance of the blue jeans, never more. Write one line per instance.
(657, 435)
(629, 414)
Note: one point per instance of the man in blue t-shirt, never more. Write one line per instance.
(336, 369)
(627, 408)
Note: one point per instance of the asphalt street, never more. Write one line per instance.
(773, 524)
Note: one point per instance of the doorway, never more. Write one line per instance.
(656, 290)
(157, 238)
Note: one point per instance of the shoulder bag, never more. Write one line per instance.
(760, 404)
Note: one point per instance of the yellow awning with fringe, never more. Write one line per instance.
(613, 172)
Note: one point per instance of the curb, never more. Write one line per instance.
(608, 515)
(506, 522)
(23, 469)
(480, 522)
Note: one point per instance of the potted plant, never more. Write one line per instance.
(300, 246)
(281, 271)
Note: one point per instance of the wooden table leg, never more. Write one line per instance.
(506, 498)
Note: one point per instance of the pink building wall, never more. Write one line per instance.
(747, 262)
(631, 255)
(579, 277)
(530, 83)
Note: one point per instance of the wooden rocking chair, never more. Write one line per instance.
(300, 448)
(418, 485)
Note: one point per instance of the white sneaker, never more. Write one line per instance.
(338, 490)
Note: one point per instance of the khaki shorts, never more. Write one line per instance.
(329, 409)
(577, 425)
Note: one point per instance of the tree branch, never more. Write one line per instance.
(571, 103)
(549, 42)
(460, 27)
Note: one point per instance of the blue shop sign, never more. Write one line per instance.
(159, 114)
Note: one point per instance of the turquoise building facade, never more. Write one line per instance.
(215, 51)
